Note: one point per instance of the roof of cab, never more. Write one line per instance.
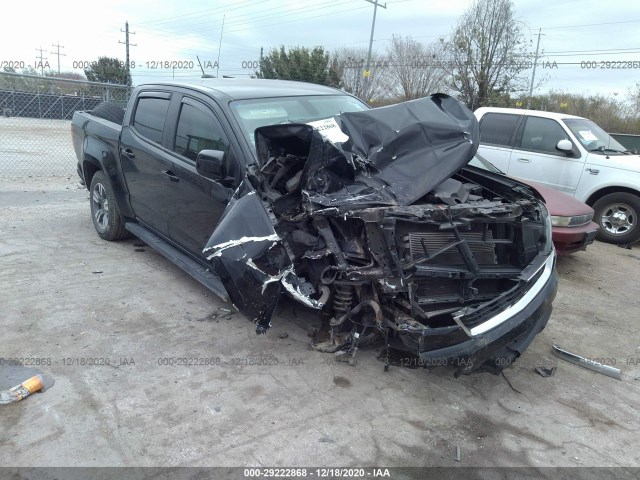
(247, 88)
(519, 111)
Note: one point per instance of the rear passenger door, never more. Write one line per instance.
(144, 160)
(536, 158)
(497, 137)
(198, 202)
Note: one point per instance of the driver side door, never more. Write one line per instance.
(198, 202)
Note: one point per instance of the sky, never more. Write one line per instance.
(587, 46)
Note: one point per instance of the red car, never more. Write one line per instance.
(571, 219)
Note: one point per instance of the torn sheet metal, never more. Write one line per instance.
(251, 261)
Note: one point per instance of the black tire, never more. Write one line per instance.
(109, 111)
(104, 210)
(618, 217)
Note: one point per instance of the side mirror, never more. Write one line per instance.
(209, 163)
(564, 146)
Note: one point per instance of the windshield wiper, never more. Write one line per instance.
(603, 149)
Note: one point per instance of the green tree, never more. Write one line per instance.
(486, 53)
(299, 63)
(108, 70)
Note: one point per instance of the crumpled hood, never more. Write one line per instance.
(387, 156)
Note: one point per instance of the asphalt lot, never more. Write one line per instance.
(72, 299)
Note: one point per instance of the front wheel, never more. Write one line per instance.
(617, 215)
(104, 210)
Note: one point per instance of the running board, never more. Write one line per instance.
(206, 277)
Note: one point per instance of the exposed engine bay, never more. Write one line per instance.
(374, 219)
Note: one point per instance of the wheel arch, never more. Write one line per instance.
(597, 195)
(90, 165)
(99, 156)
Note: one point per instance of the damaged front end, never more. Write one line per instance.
(374, 219)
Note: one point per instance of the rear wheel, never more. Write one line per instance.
(104, 210)
(617, 215)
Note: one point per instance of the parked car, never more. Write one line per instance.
(571, 219)
(571, 154)
(371, 217)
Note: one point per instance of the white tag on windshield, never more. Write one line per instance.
(588, 135)
(329, 130)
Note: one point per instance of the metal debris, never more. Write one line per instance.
(586, 363)
(545, 372)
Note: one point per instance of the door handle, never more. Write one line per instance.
(127, 152)
(170, 175)
(524, 160)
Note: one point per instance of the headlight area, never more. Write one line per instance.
(574, 221)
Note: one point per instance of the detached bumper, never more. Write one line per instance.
(507, 340)
(574, 239)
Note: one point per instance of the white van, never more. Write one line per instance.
(571, 154)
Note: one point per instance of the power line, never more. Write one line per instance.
(297, 19)
(251, 18)
(237, 5)
(590, 25)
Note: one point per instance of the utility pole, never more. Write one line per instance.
(41, 59)
(533, 74)
(126, 42)
(58, 53)
(367, 72)
(219, 48)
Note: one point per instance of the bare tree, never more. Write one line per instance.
(350, 64)
(633, 100)
(486, 53)
(415, 67)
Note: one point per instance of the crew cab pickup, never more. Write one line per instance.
(570, 154)
(370, 216)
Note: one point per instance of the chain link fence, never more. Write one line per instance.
(35, 114)
(35, 119)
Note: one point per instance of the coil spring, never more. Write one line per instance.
(343, 300)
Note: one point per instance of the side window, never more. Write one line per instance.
(542, 135)
(498, 128)
(149, 117)
(197, 130)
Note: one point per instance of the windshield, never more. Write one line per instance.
(481, 162)
(260, 112)
(592, 137)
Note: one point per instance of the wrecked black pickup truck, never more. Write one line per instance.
(370, 216)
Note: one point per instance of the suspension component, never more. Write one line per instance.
(377, 313)
(343, 299)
